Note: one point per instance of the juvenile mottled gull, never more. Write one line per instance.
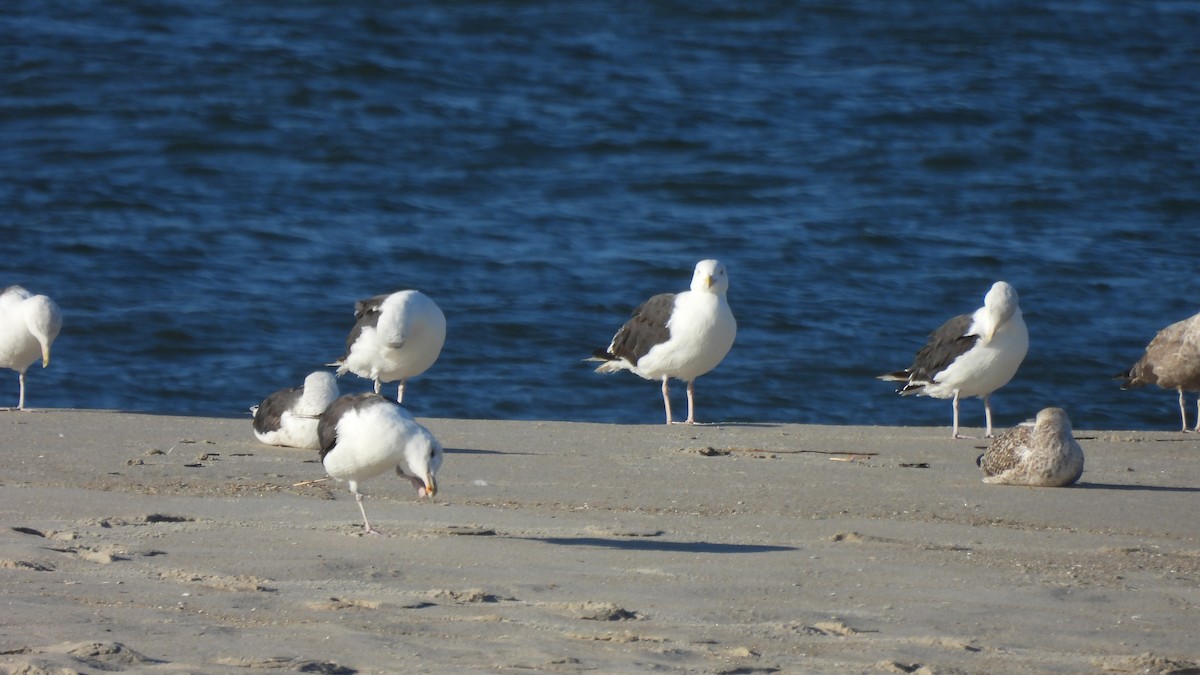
(1040, 454)
(1172, 361)
(395, 337)
(365, 435)
(28, 325)
(289, 416)
(971, 354)
(680, 335)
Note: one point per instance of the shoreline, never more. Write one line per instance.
(165, 543)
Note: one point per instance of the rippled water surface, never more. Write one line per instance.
(207, 187)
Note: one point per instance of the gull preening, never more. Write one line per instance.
(395, 337)
(289, 417)
(28, 325)
(1042, 453)
(1171, 361)
(680, 335)
(971, 354)
(365, 435)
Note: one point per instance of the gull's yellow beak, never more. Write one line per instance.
(708, 281)
(45, 355)
(430, 486)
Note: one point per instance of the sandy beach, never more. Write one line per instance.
(146, 543)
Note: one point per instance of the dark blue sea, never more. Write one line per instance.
(206, 187)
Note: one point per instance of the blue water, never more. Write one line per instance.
(207, 187)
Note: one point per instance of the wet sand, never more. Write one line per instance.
(159, 544)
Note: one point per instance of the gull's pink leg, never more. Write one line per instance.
(1183, 412)
(666, 398)
(367, 529)
(987, 415)
(954, 431)
(691, 391)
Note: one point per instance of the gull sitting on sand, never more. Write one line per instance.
(365, 435)
(1172, 361)
(1041, 453)
(28, 325)
(970, 355)
(680, 335)
(396, 336)
(289, 417)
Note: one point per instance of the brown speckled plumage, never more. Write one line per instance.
(1042, 454)
(1172, 361)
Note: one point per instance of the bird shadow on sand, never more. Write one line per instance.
(1084, 485)
(642, 544)
(759, 425)
(473, 451)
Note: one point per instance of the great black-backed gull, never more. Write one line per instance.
(971, 354)
(289, 416)
(680, 335)
(1040, 454)
(396, 336)
(28, 325)
(1172, 361)
(365, 435)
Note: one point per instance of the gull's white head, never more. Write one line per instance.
(422, 459)
(710, 277)
(321, 388)
(44, 321)
(1000, 303)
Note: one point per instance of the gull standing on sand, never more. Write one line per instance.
(1041, 453)
(289, 417)
(1172, 361)
(680, 335)
(28, 325)
(365, 435)
(971, 354)
(395, 337)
